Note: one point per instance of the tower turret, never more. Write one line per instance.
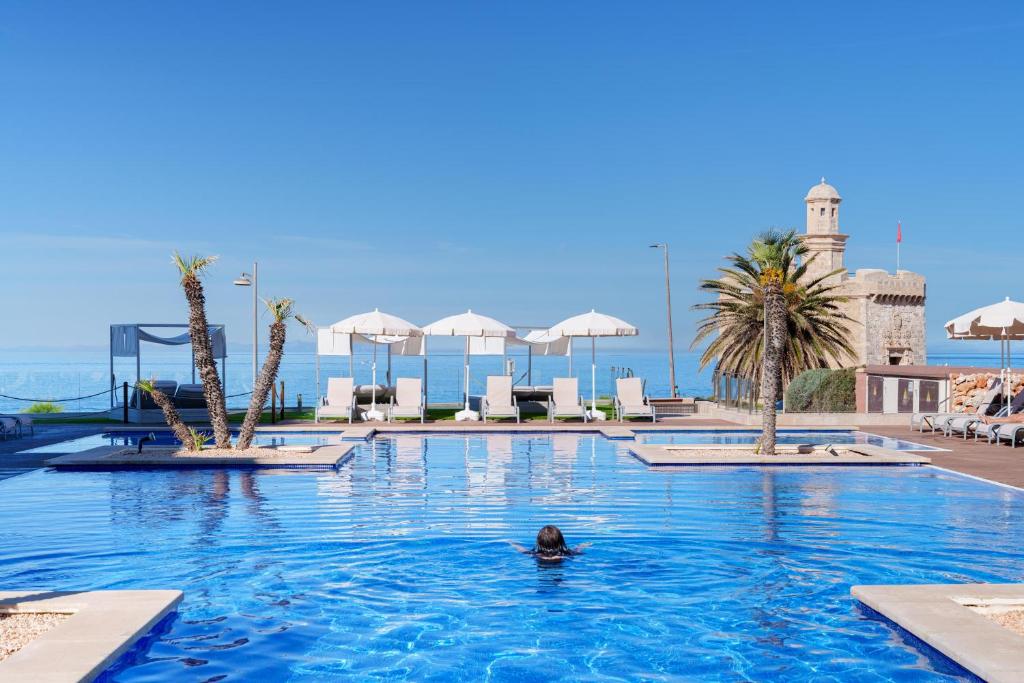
(823, 238)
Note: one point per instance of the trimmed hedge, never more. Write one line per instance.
(822, 391)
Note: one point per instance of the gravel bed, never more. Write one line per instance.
(18, 630)
(1013, 620)
(162, 453)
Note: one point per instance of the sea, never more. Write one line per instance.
(81, 379)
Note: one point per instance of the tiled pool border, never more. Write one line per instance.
(938, 615)
(103, 625)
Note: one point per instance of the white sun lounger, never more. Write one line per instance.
(1008, 431)
(9, 427)
(339, 401)
(22, 422)
(630, 400)
(408, 399)
(973, 424)
(566, 400)
(937, 421)
(499, 401)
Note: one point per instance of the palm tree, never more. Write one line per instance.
(280, 310)
(171, 416)
(805, 326)
(192, 269)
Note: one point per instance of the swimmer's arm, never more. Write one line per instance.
(580, 548)
(520, 548)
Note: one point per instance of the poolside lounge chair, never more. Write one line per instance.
(566, 400)
(9, 427)
(21, 423)
(189, 396)
(144, 400)
(408, 399)
(936, 421)
(1008, 431)
(499, 401)
(630, 400)
(968, 425)
(339, 401)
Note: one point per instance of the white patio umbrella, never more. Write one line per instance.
(593, 325)
(1003, 321)
(375, 324)
(468, 324)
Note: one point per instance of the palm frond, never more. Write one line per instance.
(192, 266)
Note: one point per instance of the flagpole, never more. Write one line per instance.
(899, 241)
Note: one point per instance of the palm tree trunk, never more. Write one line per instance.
(264, 383)
(775, 324)
(202, 349)
(173, 419)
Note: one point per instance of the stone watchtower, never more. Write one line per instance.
(826, 244)
(887, 310)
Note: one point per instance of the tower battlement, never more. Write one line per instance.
(886, 310)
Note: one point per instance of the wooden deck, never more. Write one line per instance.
(997, 462)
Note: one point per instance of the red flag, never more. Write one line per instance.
(899, 232)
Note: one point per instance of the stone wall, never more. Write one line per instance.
(894, 326)
(968, 390)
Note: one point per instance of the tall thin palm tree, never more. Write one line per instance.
(192, 269)
(171, 416)
(805, 327)
(280, 310)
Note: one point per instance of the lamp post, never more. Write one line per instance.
(668, 306)
(253, 280)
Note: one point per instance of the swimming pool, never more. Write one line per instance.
(397, 566)
(738, 436)
(166, 438)
(784, 436)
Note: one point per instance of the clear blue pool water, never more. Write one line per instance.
(784, 437)
(131, 438)
(166, 438)
(397, 565)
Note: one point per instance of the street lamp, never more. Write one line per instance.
(668, 305)
(253, 280)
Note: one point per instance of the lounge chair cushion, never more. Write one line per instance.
(499, 396)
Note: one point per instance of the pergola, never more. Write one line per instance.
(126, 340)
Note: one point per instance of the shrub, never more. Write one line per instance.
(45, 407)
(822, 391)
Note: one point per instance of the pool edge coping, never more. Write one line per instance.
(103, 626)
(938, 615)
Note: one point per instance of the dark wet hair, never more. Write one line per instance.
(551, 543)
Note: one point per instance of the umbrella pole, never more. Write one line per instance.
(570, 356)
(373, 387)
(593, 375)
(465, 371)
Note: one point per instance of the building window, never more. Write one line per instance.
(822, 211)
(833, 212)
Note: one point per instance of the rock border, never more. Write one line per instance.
(941, 615)
(103, 626)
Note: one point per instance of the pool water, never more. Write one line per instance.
(820, 438)
(293, 438)
(166, 438)
(397, 566)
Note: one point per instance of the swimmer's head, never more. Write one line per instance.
(550, 542)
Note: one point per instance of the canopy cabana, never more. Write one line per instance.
(126, 342)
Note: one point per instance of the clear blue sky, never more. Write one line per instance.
(516, 158)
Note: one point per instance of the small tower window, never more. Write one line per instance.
(833, 212)
(822, 211)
